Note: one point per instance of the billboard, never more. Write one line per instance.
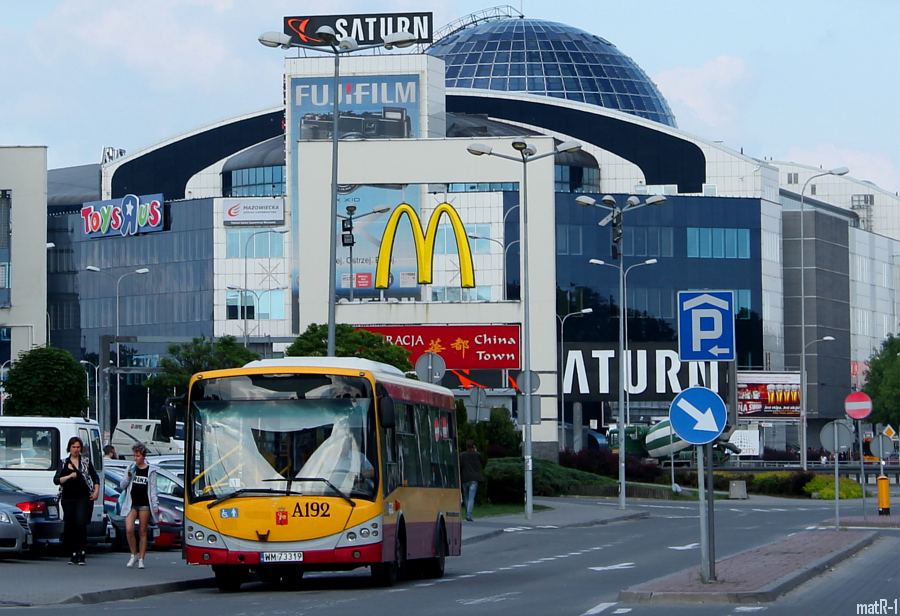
(768, 394)
(367, 29)
(253, 212)
(462, 347)
(130, 215)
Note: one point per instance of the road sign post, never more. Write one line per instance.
(698, 416)
(858, 405)
(838, 434)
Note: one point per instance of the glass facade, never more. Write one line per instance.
(255, 182)
(550, 59)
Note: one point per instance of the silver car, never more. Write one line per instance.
(15, 536)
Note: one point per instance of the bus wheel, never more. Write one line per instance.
(230, 578)
(388, 574)
(434, 567)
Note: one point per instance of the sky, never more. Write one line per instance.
(816, 82)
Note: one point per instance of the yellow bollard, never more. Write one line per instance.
(884, 496)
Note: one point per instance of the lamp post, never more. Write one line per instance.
(258, 296)
(338, 46)
(803, 404)
(624, 302)
(84, 362)
(141, 271)
(279, 230)
(616, 217)
(527, 154)
(562, 365)
(347, 238)
(476, 236)
(836, 171)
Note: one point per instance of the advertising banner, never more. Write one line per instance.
(367, 29)
(747, 441)
(768, 394)
(463, 347)
(129, 215)
(253, 212)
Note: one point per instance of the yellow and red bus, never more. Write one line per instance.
(313, 463)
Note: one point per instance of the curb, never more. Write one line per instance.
(135, 592)
(500, 531)
(764, 594)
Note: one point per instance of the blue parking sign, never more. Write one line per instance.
(706, 326)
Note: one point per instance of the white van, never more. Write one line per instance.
(146, 431)
(31, 449)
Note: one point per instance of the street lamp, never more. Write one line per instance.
(615, 216)
(835, 171)
(803, 407)
(97, 270)
(624, 302)
(476, 236)
(527, 153)
(338, 47)
(84, 362)
(347, 238)
(562, 366)
(279, 230)
(258, 296)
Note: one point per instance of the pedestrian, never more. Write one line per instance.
(471, 465)
(79, 488)
(141, 502)
(109, 453)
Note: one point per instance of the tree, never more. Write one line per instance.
(199, 355)
(349, 342)
(883, 382)
(46, 382)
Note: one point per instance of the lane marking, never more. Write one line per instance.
(689, 546)
(618, 567)
(597, 609)
(493, 599)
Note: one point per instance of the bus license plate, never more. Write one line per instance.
(281, 557)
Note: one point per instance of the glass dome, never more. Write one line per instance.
(551, 59)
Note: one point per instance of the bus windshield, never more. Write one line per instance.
(308, 434)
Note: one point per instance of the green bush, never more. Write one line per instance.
(606, 462)
(775, 483)
(824, 486)
(505, 479)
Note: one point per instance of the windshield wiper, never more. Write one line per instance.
(326, 482)
(241, 491)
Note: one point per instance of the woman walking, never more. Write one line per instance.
(79, 488)
(141, 502)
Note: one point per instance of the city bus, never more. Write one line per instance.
(319, 464)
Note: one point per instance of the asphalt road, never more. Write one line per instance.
(565, 571)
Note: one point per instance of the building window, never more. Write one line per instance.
(717, 243)
(264, 304)
(568, 240)
(570, 179)
(255, 182)
(812, 189)
(445, 239)
(460, 294)
(862, 200)
(484, 187)
(262, 246)
(793, 178)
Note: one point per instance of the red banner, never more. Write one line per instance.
(463, 347)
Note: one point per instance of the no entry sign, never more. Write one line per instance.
(858, 405)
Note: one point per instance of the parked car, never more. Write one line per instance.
(41, 511)
(14, 533)
(171, 507)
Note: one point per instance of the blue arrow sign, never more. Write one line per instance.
(706, 326)
(698, 415)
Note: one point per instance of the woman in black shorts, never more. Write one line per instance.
(141, 502)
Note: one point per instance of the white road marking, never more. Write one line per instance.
(494, 599)
(689, 546)
(484, 572)
(613, 567)
(597, 609)
(467, 575)
(519, 566)
(547, 526)
(622, 610)
(515, 529)
(753, 608)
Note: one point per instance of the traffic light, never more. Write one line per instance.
(617, 235)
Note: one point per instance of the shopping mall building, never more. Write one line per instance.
(232, 223)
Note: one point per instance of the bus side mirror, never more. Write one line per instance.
(167, 423)
(386, 411)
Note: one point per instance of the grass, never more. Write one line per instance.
(488, 510)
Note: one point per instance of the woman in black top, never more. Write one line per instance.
(141, 503)
(79, 488)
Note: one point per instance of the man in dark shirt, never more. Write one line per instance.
(471, 464)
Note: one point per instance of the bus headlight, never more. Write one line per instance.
(199, 535)
(211, 539)
(364, 533)
(351, 536)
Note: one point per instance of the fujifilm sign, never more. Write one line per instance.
(367, 29)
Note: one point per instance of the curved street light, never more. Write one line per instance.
(527, 153)
(338, 47)
(280, 231)
(562, 368)
(804, 385)
(615, 216)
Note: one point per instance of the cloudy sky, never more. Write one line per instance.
(811, 81)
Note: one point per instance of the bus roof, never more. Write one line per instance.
(350, 363)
